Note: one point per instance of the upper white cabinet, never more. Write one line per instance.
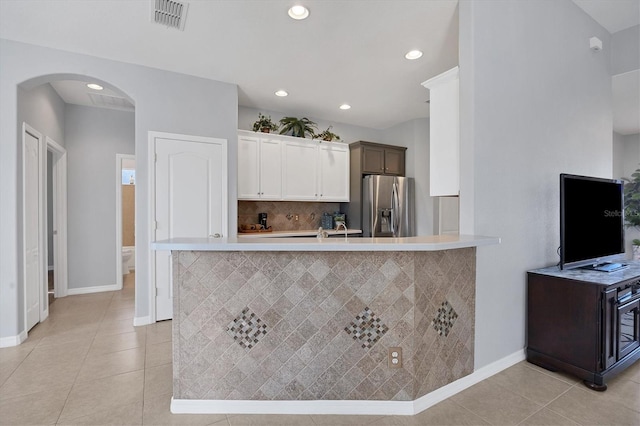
(259, 168)
(275, 167)
(299, 171)
(333, 172)
(444, 161)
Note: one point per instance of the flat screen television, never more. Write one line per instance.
(591, 222)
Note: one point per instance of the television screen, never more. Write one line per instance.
(591, 220)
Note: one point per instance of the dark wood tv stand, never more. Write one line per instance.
(585, 323)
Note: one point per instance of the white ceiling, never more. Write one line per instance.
(347, 50)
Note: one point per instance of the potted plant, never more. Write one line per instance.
(632, 208)
(635, 245)
(298, 127)
(327, 135)
(264, 124)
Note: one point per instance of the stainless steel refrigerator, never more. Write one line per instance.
(387, 206)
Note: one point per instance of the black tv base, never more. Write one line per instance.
(583, 322)
(605, 267)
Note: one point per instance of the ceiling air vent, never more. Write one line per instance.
(113, 102)
(169, 13)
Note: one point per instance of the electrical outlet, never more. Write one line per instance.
(395, 357)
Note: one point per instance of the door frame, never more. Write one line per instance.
(42, 249)
(118, 248)
(59, 175)
(151, 155)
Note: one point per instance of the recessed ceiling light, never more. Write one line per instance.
(345, 106)
(281, 93)
(298, 12)
(94, 86)
(414, 54)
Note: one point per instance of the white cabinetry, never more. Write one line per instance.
(275, 167)
(444, 162)
(259, 168)
(299, 171)
(333, 172)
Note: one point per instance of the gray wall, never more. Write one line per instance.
(414, 134)
(626, 160)
(625, 50)
(42, 109)
(164, 101)
(536, 101)
(94, 137)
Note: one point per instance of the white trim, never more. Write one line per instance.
(360, 407)
(138, 321)
(446, 76)
(151, 220)
(59, 217)
(7, 342)
(94, 289)
(199, 406)
(119, 159)
(42, 236)
(447, 391)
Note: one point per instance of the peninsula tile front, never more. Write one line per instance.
(319, 325)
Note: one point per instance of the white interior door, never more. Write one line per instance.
(33, 247)
(190, 200)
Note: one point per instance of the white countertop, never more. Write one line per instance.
(426, 243)
(305, 233)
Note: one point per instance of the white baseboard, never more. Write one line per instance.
(138, 321)
(95, 289)
(447, 391)
(7, 342)
(386, 408)
(202, 406)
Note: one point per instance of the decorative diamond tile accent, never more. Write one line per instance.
(247, 329)
(443, 322)
(367, 328)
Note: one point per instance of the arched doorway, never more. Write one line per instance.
(80, 126)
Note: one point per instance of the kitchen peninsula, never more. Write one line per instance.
(310, 325)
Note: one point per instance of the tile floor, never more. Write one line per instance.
(87, 365)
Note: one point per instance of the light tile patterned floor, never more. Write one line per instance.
(87, 365)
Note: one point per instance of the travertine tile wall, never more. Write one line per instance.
(318, 325)
(309, 213)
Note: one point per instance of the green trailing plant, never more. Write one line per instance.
(298, 127)
(264, 124)
(636, 242)
(632, 200)
(327, 135)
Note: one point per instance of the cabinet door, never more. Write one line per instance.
(334, 172)
(248, 168)
(444, 146)
(394, 162)
(270, 169)
(299, 171)
(372, 160)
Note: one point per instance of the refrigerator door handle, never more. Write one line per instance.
(395, 203)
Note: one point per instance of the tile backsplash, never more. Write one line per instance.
(282, 214)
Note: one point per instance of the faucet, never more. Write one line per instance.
(341, 224)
